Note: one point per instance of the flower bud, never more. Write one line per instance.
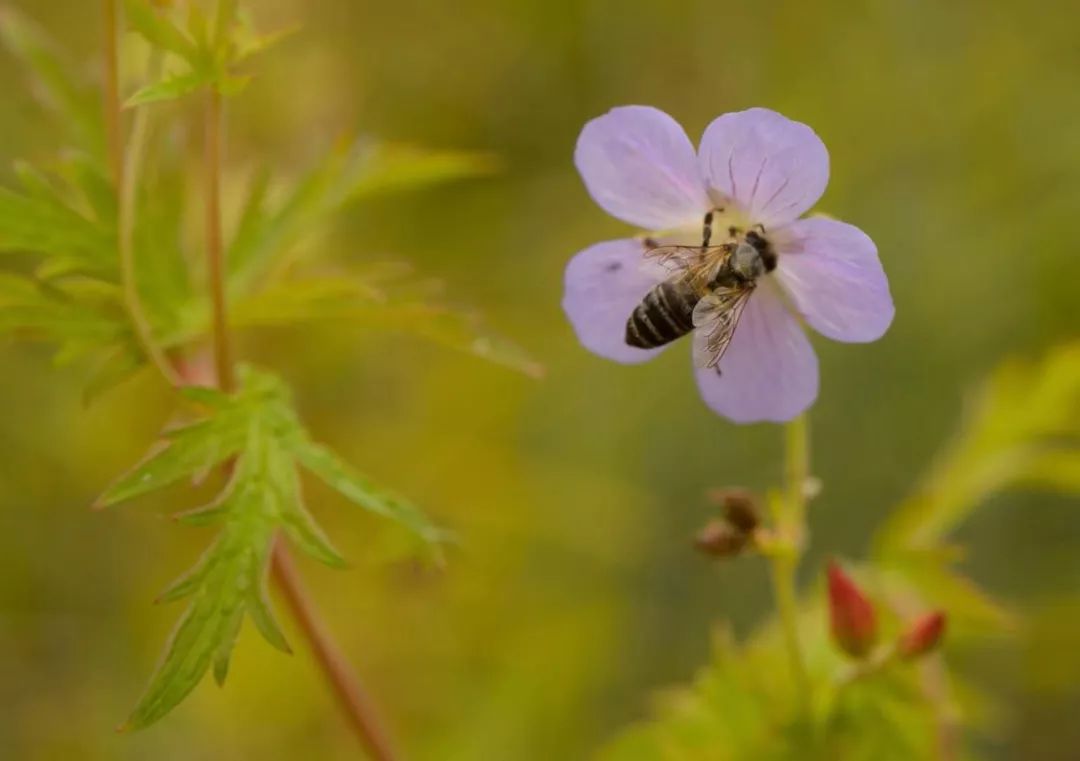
(740, 508)
(851, 615)
(720, 539)
(922, 635)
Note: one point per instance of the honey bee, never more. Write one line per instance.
(708, 292)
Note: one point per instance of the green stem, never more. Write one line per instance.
(789, 516)
(125, 169)
(358, 707)
(215, 251)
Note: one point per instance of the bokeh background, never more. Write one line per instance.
(953, 131)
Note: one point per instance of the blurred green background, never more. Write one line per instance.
(953, 132)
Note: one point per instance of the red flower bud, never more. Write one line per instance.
(851, 616)
(922, 635)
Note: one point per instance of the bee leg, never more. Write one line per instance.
(706, 232)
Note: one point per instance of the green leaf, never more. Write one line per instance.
(373, 302)
(54, 78)
(58, 312)
(115, 365)
(159, 30)
(249, 42)
(350, 172)
(391, 167)
(334, 472)
(1022, 430)
(173, 87)
(46, 228)
(184, 452)
(257, 431)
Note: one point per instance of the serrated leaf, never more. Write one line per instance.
(206, 395)
(338, 475)
(250, 42)
(352, 171)
(183, 453)
(334, 300)
(159, 30)
(1021, 414)
(172, 87)
(257, 429)
(189, 581)
(117, 364)
(87, 175)
(39, 226)
(64, 313)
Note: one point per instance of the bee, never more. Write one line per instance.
(709, 290)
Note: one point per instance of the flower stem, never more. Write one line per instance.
(346, 686)
(125, 171)
(215, 252)
(789, 515)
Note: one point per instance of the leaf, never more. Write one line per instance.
(46, 228)
(1022, 429)
(393, 167)
(55, 313)
(55, 79)
(159, 30)
(250, 42)
(183, 453)
(400, 308)
(171, 88)
(350, 172)
(358, 489)
(258, 432)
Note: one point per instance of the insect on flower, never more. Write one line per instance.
(742, 283)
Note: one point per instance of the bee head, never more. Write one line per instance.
(747, 261)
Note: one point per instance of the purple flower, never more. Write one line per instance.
(753, 168)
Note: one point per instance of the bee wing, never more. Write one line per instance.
(698, 265)
(677, 258)
(715, 318)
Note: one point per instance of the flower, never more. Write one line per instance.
(851, 615)
(922, 635)
(753, 167)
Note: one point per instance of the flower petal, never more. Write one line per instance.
(772, 167)
(832, 272)
(603, 284)
(639, 165)
(770, 371)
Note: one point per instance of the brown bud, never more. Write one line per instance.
(922, 635)
(720, 539)
(740, 508)
(851, 615)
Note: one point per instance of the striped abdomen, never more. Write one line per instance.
(666, 313)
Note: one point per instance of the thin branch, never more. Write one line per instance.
(125, 170)
(215, 252)
(354, 700)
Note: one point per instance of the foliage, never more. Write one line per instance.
(1022, 430)
(60, 226)
(66, 284)
(257, 433)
